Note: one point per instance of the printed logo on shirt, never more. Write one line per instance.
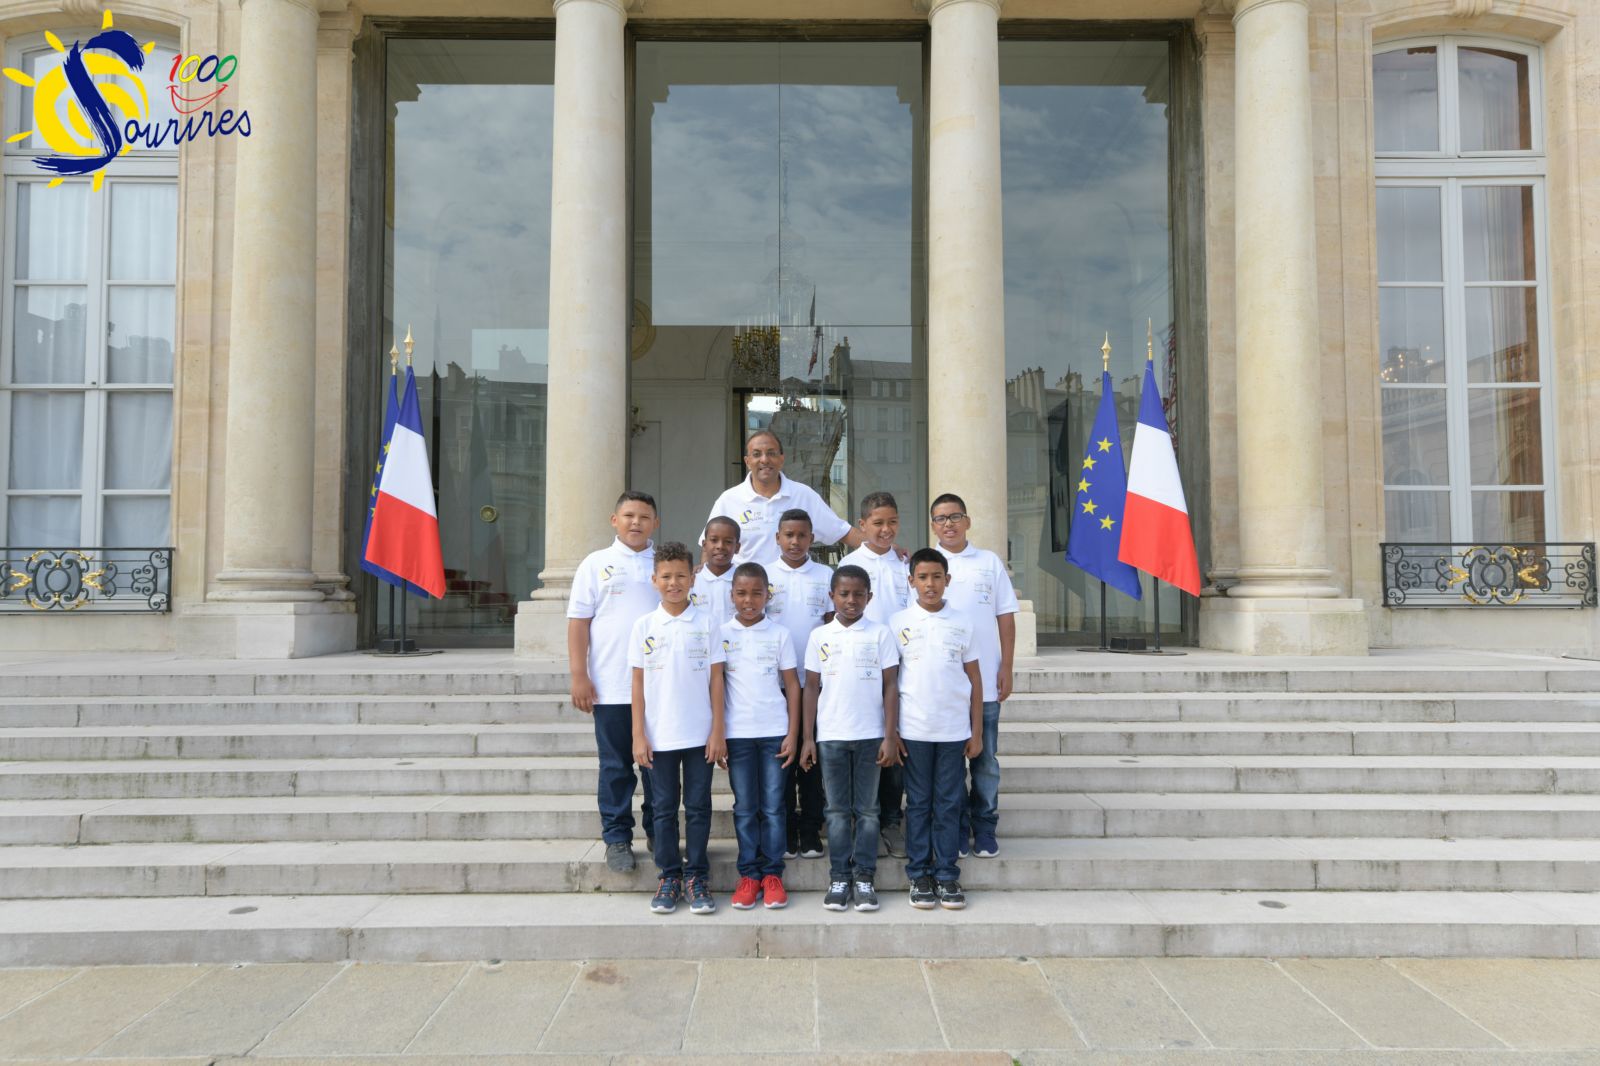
(746, 517)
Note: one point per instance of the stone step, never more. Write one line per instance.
(188, 929)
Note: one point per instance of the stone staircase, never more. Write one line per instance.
(156, 809)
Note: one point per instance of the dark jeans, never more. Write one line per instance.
(850, 779)
(891, 790)
(804, 819)
(613, 735)
(689, 765)
(981, 812)
(936, 780)
(758, 778)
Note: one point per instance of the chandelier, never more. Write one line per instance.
(755, 351)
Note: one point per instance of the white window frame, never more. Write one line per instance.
(1451, 170)
(142, 166)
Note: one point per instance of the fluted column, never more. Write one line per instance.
(586, 428)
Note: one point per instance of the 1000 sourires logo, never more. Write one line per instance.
(94, 107)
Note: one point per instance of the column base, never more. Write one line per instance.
(1027, 630)
(1284, 626)
(250, 630)
(541, 629)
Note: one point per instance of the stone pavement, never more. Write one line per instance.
(1094, 1012)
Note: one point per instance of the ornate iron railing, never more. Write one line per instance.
(117, 580)
(1489, 575)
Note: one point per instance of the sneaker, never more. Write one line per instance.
(951, 898)
(986, 846)
(744, 894)
(893, 840)
(811, 846)
(791, 850)
(838, 897)
(965, 847)
(773, 895)
(650, 845)
(866, 896)
(700, 901)
(619, 857)
(668, 892)
(923, 896)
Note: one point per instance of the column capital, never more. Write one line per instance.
(304, 5)
(1240, 8)
(931, 8)
(622, 7)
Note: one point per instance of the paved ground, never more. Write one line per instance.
(1110, 1012)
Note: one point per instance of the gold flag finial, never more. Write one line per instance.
(1150, 340)
(394, 358)
(410, 344)
(1105, 354)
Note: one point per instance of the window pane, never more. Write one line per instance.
(1499, 517)
(1409, 234)
(44, 522)
(138, 440)
(1497, 223)
(1416, 516)
(137, 522)
(47, 440)
(144, 231)
(155, 79)
(37, 64)
(48, 334)
(140, 340)
(1414, 440)
(52, 231)
(1502, 335)
(1494, 101)
(1411, 335)
(1503, 428)
(1405, 86)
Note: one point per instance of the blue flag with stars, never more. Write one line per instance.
(1096, 531)
(391, 415)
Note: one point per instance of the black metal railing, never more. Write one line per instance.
(1489, 575)
(116, 580)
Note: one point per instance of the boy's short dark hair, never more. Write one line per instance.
(928, 555)
(755, 570)
(724, 520)
(795, 514)
(947, 497)
(764, 433)
(874, 500)
(850, 570)
(634, 496)
(672, 552)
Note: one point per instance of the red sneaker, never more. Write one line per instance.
(772, 892)
(745, 893)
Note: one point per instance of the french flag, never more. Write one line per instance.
(1156, 536)
(405, 524)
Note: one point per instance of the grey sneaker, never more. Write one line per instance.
(619, 857)
(892, 840)
(923, 896)
(699, 893)
(668, 892)
(866, 896)
(951, 898)
(838, 897)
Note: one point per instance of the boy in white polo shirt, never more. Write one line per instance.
(677, 726)
(981, 588)
(763, 730)
(713, 584)
(610, 591)
(941, 718)
(851, 701)
(799, 600)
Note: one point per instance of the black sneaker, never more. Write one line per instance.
(791, 850)
(838, 897)
(951, 898)
(700, 901)
(892, 840)
(668, 892)
(811, 846)
(866, 896)
(923, 896)
(619, 857)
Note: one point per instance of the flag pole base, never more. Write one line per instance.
(405, 653)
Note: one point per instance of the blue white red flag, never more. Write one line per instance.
(391, 413)
(1097, 505)
(1156, 536)
(404, 538)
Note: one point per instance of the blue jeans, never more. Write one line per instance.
(891, 791)
(690, 765)
(613, 735)
(757, 777)
(936, 785)
(981, 812)
(850, 780)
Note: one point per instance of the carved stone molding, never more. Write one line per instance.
(927, 7)
(1471, 9)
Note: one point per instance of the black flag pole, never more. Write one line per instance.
(1155, 590)
(1104, 644)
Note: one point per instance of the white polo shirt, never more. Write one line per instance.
(755, 658)
(851, 661)
(890, 582)
(799, 597)
(714, 594)
(758, 518)
(612, 587)
(935, 692)
(676, 656)
(980, 588)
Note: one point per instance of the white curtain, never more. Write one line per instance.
(52, 232)
(144, 231)
(139, 440)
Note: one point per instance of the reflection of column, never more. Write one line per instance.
(586, 432)
(1285, 602)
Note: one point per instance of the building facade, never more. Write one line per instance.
(1359, 238)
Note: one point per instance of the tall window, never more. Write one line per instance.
(87, 329)
(1462, 291)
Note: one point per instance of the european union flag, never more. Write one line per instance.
(1097, 507)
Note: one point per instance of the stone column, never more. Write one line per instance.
(1285, 601)
(264, 603)
(586, 425)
